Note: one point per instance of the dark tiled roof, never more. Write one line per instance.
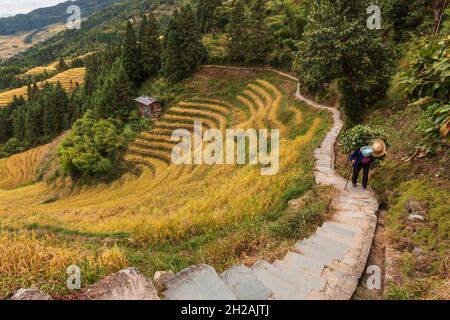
(146, 100)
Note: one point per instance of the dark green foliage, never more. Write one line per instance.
(93, 148)
(183, 48)
(426, 83)
(12, 146)
(237, 32)
(150, 46)
(338, 46)
(114, 94)
(132, 56)
(61, 66)
(205, 14)
(248, 33)
(46, 114)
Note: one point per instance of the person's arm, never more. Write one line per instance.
(353, 155)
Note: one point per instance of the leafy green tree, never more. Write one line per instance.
(426, 83)
(337, 45)
(150, 46)
(132, 55)
(93, 148)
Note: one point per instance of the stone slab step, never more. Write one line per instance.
(299, 261)
(274, 279)
(245, 284)
(303, 280)
(200, 282)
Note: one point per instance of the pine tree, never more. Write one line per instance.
(256, 47)
(132, 56)
(183, 48)
(205, 14)
(150, 46)
(237, 32)
(171, 57)
(61, 64)
(114, 96)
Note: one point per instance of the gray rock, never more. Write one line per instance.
(416, 217)
(416, 252)
(29, 294)
(162, 276)
(414, 206)
(127, 284)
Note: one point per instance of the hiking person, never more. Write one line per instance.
(362, 159)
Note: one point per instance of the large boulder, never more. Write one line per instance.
(127, 284)
(29, 294)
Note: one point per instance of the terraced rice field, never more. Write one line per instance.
(21, 168)
(68, 80)
(52, 67)
(166, 206)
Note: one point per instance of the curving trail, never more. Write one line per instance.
(327, 265)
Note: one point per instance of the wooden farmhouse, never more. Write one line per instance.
(149, 107)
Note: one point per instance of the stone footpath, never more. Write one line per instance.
(327, 265)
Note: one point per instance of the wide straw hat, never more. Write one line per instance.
(379, 148)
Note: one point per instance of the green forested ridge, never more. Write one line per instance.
(43, 17)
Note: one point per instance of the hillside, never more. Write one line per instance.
(182, 217)
(68, 79)
(102, 27)
(43, 17)
(10, 45)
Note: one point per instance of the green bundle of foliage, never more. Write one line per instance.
(360, 136)
(426, 82)
(93, 148)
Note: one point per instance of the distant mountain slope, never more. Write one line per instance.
(103, 27)
(43, 17)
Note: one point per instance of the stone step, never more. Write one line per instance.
(303, 280)
(337, 246)
(200, 282)
(273, 278)
(317, 253)
(245, 284)
(337, 230)
(332, 252)
(301, 262)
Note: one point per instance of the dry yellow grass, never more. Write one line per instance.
(27, 260)
(21, 168)
(68, 80)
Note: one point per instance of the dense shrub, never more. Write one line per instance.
(93, 148)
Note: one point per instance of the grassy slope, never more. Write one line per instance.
(419, 250)
(181, 215)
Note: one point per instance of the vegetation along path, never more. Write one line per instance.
(327, 265)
